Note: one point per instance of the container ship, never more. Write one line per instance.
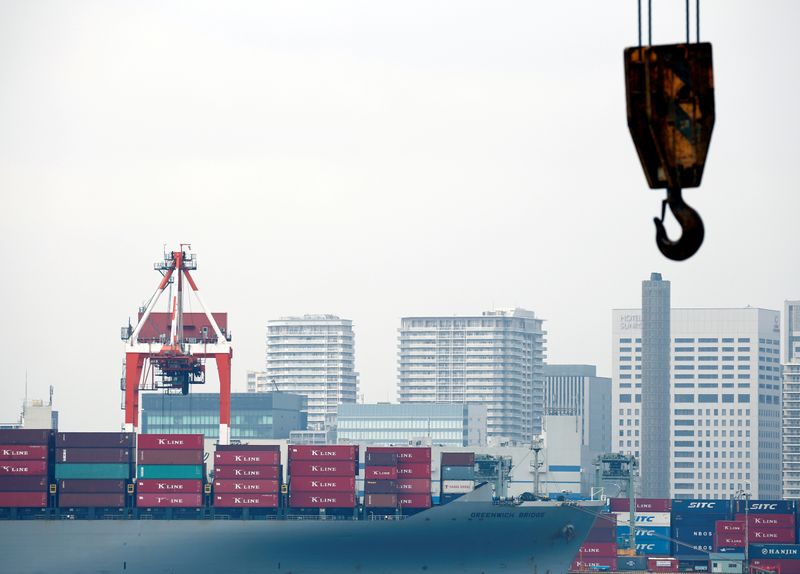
(107, 502)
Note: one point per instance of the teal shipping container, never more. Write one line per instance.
(93, 470)
(177, 471)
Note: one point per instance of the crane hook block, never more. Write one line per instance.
(670, 99)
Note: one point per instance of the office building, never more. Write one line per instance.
(253, 416)
(418, 423)
(790, 357)
(725, 412)
(495, 359)
(313, 356)
(576, 390)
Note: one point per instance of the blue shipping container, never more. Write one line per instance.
(781, 551)
(690, 508)
(693, 531)
(652, 546)
(693, 549)
(631, 563)
(765, 507)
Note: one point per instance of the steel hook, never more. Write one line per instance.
(692, 225)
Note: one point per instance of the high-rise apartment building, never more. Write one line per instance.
(495, 359)
(725, 395)
(576, 390)
(655, 436)
(791, 399)
(312, 355)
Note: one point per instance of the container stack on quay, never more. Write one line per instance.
(323, 477)
(170, 472)
(652, 528)
(694, 527)
(247, 476)
(409, 490)
(599, 548)
(457, 475)
(768, 521)
(781, 558)
(24, 468)
(93, 469)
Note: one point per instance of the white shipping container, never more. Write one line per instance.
(644, 519)
(457, 486)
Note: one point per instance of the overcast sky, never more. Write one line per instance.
(368, 159)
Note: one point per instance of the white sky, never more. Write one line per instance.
(368, 159)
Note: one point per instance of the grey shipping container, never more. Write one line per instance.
(458, 473)
(380, 458)
(95, 439)
(246, 447)
(380, 500)
(88, 500)
(380, 486)
(87, 485)
(94, 455)
(26, 436)
(458, 458)
(23, 483)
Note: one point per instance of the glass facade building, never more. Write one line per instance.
(253, 416)
(791, 399)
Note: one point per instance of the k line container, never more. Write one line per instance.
(380, 500)
(592, 549)
(770, 535)
(729, 526)
(111, 455)
(414, 470)
(730, 540)
(183, 456)
(248, 458)
(23, 499)
(87, 500)
(93, 470)
(246, 500)
(23, 467)
(23, 452)
(406, 500)
(768, 520)
(642, 504)
(87, 486)
(170, 441)
(323, 484)
(23, 483)
(322, 500)
(147, 500)
(380, 472)
(95, 439)
(328, 468)
(187, 471)
(249, 472)
(233, 486)
(458, 473)
(26, 436)
(165, 486)
(320, 453)
(413, 485)
(605, 562)
(458, 458)
(405, 454)
(380, 486)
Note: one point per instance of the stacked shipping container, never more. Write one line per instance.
(24, 479)
(783, 558)
(652, 528)
(247, 476)
(93, 469)
(397, 477)
(694, 525)
(599, 549)
(322, 476)
(170, 472)
(457, 475)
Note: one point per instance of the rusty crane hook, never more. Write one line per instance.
(693, 231)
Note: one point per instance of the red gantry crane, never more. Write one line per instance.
(167, 350)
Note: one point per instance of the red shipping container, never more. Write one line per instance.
(768, 520)
(729, 527)
(380, 500)
(605, 522)
(169, 486)
(148, 500)
(23, 483)
(101, 455)
(26, 436)
(380, 486)
(662, 564)
(768, 535)
(233, 486)
(414, 485)
(170, 441)
(23, 452)
(170, 456)
(405, 454)
(601, 535)
(599, 561)
(380, 472)
(592, 549)
(23, 468)
(23, 499)
(784, 566)
(249, 458)
(92, 485)
(406, 500)
(414, 470)
(642, 505)
(249, 472)
(323, 484)
(729, 540)
(89, 500)
(322, 499)
(326, 468)
(246, 500)
(326, 452)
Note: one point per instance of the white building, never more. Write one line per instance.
(791, 399)
(725, 412)
(495, 359)
(312, 355)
